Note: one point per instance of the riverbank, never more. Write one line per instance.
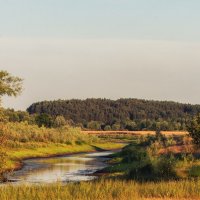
(17, 155)
(69, 168)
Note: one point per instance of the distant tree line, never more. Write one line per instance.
(122, 114)
(10, 115)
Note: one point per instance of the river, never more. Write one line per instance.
(71, 168)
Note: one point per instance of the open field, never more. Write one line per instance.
(136, 133)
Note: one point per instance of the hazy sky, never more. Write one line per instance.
(101, 48)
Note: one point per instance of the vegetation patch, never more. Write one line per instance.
(194, 171)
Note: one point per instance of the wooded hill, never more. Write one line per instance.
(130, 114)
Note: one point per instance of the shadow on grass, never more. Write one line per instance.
(98, 148)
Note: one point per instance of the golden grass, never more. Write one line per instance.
(137, 133)
(104, 190)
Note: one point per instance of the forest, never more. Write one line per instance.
(122, 114)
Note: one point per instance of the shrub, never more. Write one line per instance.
(194, 171)
(194, 130)
(165, 167)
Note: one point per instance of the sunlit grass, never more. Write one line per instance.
(104, 189)
(29, 141)
(15, 155)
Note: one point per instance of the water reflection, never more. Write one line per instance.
(78, 167)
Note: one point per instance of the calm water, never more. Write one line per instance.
(79, 167)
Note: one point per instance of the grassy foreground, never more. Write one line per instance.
(104, 190)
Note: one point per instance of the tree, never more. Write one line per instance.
(107, 128)
(44, 120)
(116, 127)
(59, 122)
(9, 85)
(194, 130)
(130, 125)
(94, 125)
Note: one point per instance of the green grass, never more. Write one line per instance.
(15, 155)
(21, 141)
(104, 190)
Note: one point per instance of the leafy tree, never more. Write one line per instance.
(164, 125)
(116, 127)
(94, 125)
(9, 85)
(130, 125)
(59, 122)
(194, 130)
(107, 128)
(44, 120)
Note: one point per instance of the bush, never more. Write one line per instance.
(194, 171)
(141, 173)
(194, 130)
(133, 153)
(162, 168)
(147, 164)
(165, 167)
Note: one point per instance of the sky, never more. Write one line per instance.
(113, 49)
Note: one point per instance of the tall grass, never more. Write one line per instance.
(104, 190)
(22, 133)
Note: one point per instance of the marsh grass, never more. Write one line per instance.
(104, 190)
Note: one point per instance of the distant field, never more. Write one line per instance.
(135, 132)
